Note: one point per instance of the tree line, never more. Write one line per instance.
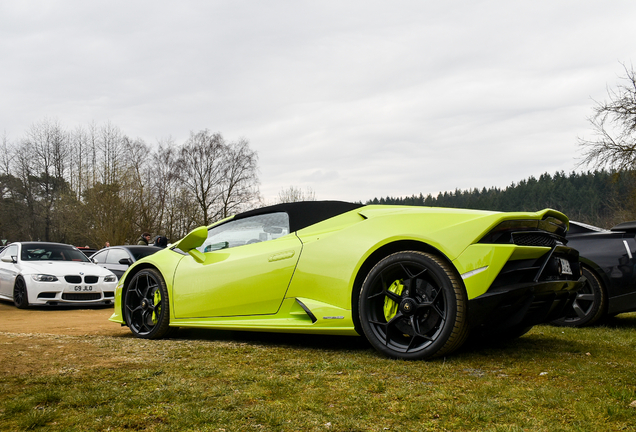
(602, 198)
(96, 184)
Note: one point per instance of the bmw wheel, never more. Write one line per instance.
(413, 306)
(589, 304)
(20, 294)
(145, 305)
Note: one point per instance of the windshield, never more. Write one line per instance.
(51, 252)
(246, 231)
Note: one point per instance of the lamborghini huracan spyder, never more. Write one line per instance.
(415, 281)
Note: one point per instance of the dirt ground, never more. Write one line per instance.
(60, 321)
(56, 340)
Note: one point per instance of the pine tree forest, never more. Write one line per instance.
(598, 198)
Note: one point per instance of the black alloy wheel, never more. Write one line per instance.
(145, 305)
(413, 306)
(589, 305)
(20, 294)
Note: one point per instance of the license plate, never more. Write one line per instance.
(565, 267)
(83, 288)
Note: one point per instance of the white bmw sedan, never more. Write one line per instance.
(40, 273)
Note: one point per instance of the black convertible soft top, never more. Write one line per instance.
(304, 213)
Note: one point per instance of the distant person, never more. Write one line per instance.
(161, 241)
(107, 244)
(144, 240)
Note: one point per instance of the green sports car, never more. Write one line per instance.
(415, 281)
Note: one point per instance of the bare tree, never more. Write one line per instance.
(200, 169)
(96, 184)
(295, 194)
(78, 176)
(614, 125)
(137, 180)
(111, 147)
(46, 147)
(241, 180)
(23, 160)
(6, 155)
(170, 209)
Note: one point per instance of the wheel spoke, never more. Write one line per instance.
(133, 310)
(585, 297)
(411, 275)
(421, 336)
(578, 310)
(379, 294)
(147, 289)
(390, 328)
(393, 296)
(384, 284)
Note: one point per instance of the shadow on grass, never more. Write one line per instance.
(532, 344)
(295, 340)
(622, 321)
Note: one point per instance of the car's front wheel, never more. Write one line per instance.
(145, 305)
(20, 294)
(413, 306)
(589, 305)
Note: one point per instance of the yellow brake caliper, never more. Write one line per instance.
(390, 306)
(157, 299)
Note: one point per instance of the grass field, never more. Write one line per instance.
(552, 379)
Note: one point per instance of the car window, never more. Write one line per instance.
(100, 257)
(10, 251)
(246, 231)
(143, 252)
(114, 255)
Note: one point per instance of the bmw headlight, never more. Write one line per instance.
(110, 278)
(44, 278)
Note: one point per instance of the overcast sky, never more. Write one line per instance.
(353, 99)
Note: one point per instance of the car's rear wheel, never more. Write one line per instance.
(589, 305)
(145, 305)
(413, 306)
(20, 294)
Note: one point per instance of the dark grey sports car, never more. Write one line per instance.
(118, 258)
(608, 260)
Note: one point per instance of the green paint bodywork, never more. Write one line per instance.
(271, 285)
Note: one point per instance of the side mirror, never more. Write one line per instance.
(194, 239)
(125, 261)
(8, 259)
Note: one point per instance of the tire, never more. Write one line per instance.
(413, 306)
(146, 306)
(589, 305)
(20, 294)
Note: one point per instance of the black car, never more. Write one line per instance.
(608, 260)
(118, 258)
(86, 250)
